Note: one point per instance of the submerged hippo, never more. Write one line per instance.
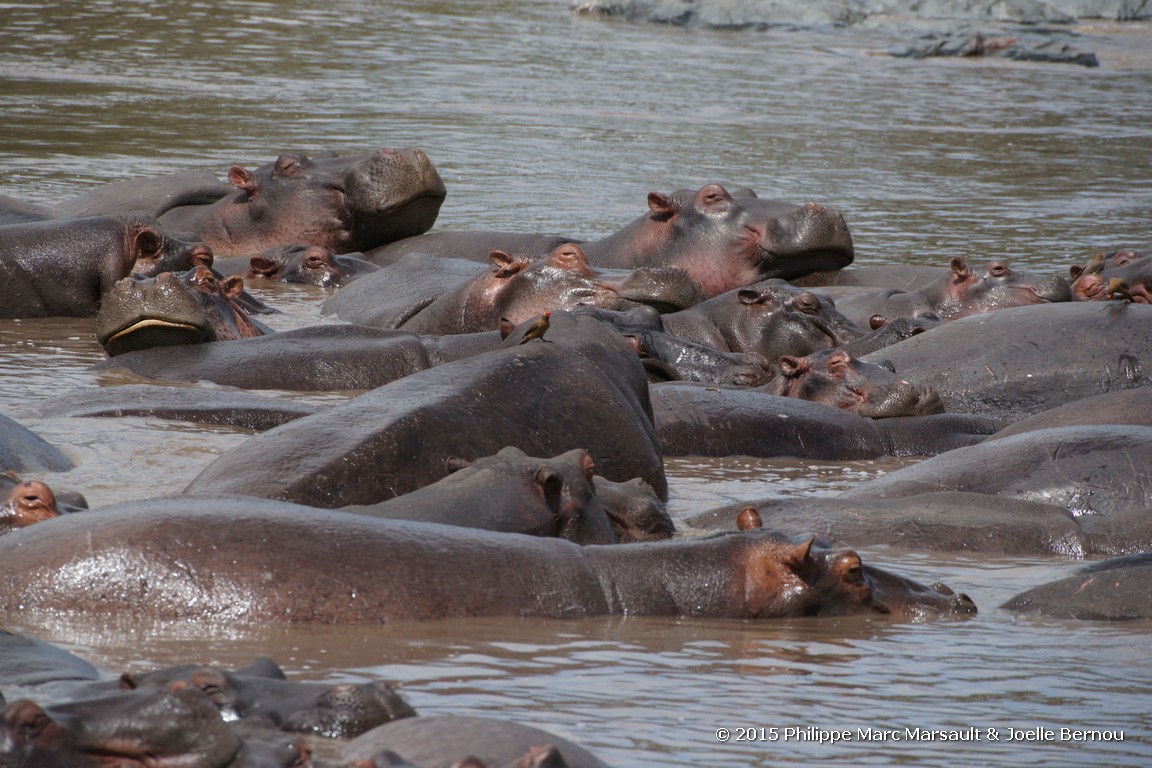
(24, 503)
(770, 318)
(22, 450)
(835, 378)
(466, 742)
(172, 727)
(247, 559)
(62, 267)
(519, 287)
(307, 264)
(511, 492)
(345, 204)
(582, 387)
(1093, 471)
(724, 241)
(173, 309)
(701, 420)
(261, 694)
(1111, 590)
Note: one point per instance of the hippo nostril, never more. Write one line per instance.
(964, 603)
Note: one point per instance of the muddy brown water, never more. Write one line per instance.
(541, 121)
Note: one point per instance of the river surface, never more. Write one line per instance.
(539, 120)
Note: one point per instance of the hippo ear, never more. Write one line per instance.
(258, 265)
(748, 519)
(455, 464)
(231, 286)
(959, 268)
(506, 328)
(551, 486)
(242, 178)
(506, 264)
(148, 243)
(663, 206)
(799, 556)
(791, 367)
(588, 465)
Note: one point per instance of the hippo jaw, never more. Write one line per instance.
(153, 332)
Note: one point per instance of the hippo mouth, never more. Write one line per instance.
(153, 332)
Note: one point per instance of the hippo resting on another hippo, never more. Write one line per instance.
(345, 204)
(1110, 590)
(582, 387)
(63, 267)
(308, 264)
(850, 410)
(1019, 361)
(515, 288)
(723, 241)
(1123, 274)
(247, 559)
(960, 292)
(511, 492)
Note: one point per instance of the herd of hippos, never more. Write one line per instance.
(519, 393)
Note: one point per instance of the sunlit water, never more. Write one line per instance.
(541, 121)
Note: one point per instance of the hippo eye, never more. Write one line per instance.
(996, 269)
(314, 262)
(807, 302)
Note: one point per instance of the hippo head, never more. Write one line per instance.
(334, 711)
(185, 308)
(345, 204)
(772, 318)
(837, 379)
(168, 728)
(152, 250)
(727, 241)
(26, 502)
(310, 264)
(965, 292)
(784, 577)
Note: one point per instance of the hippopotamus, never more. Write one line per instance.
(1125, 274)
(260, 693)
(200, 405)
(582, 387)
(1094, 471)
(518, 287)
(446, 739)
(26, 662)
(723, 240)
(1110, 590)
(62, 267)
(511, 492)
(259, 560)
(836, 378)
(1019, 361)
(22, 450)
(770, 318)
(308, 264)
(635, 511)
(24, 503)
(668, 358)
(346, 204)
(173, 308)
(958, 292)
(705, 420)
(949, 521)
(1123, 406)
(173, 727)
